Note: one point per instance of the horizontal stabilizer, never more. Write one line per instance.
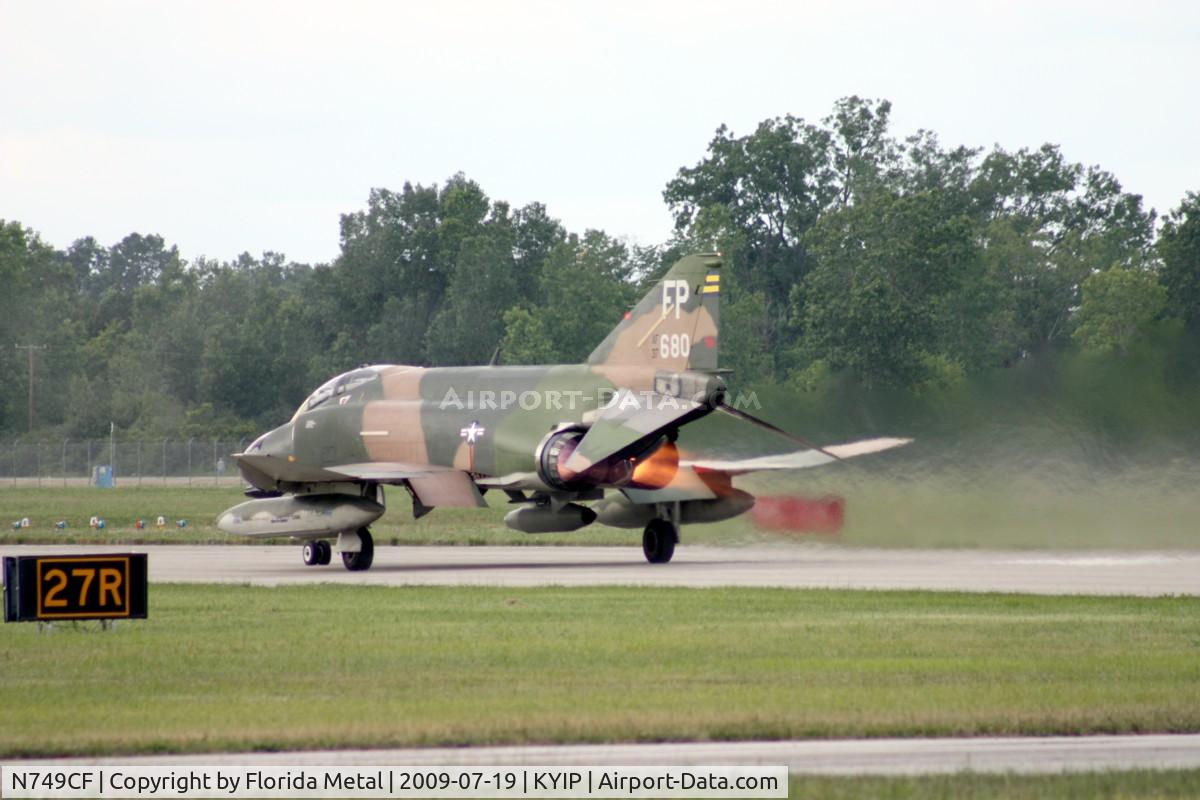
(800, 459)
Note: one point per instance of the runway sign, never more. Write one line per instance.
(74, 587)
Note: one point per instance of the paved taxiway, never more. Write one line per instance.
(829, 757)
(796, 566)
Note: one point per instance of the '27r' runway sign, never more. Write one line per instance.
(48, 588)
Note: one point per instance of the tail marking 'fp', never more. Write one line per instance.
(675, 326)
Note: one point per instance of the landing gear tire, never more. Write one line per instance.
(325, 552)
(658, 541)
(311, 553)
(357, 562)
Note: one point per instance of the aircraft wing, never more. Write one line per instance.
(799, 459)
(434, 486)
(278, 468)
(386, 471)
(629, 418)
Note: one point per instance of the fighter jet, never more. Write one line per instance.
(568, 445)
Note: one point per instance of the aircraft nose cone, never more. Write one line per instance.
(262, 463)
(276, 443)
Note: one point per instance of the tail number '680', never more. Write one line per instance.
(674, 345)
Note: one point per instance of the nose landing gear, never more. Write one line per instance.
(319, 552)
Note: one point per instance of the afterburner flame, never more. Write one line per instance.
(657, 469)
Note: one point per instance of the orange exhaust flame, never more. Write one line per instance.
(657, 469)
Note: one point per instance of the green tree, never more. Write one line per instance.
(1179, 248)
(744, 328)
(133, 262)
(37, 307)
(1046, 224)
(758, 195)
(470, 324)
(526, 340)
(585, 286)
(865, 156)
(394, 248)
(1117, 304)
(537, 234)
(884, 298)
(754, 198)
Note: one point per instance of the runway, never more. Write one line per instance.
(826, 757)
(796, 566)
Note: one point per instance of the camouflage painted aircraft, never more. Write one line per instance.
(553, 439)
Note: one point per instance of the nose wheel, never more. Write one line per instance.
(658, 541)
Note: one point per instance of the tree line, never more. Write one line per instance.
(852, 256)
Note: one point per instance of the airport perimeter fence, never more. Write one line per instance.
(81, 462)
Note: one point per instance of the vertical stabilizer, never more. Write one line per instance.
(676, 325)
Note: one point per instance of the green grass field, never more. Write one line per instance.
(1150, 510)
(239, 668)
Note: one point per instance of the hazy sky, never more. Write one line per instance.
(247, 126)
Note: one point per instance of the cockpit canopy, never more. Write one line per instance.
(334, 387)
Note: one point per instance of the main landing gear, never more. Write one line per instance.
(659, 540)
(357, 562)
(318, 552)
